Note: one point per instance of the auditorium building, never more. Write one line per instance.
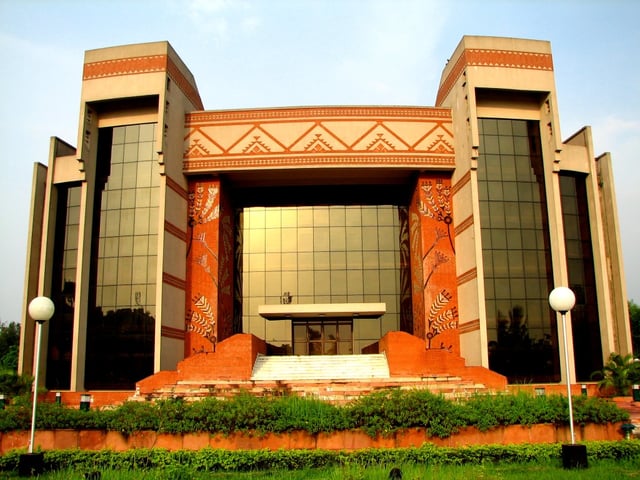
(176, 239)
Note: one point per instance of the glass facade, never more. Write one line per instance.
(521, 326)
(587, 343)
(63, 287)
(331, 336)
(320, 254)
(120, 328)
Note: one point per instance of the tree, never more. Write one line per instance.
(11, 383)
(9, 344)
(634, 320)
(618, 374)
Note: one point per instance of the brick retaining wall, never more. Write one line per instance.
(342, 440)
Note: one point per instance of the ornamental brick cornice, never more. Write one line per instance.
(318, 137)
(125, 66)
(140, 65)
(256, 163)
(493, 58)
(315, 112)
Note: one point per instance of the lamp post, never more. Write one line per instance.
(40, 310)
(562, 300)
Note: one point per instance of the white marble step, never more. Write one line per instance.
(320, 367)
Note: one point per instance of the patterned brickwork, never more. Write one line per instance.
(312, 137)
(226, 271)
(203, 263)
(190, 90)
(493, 58)
(124, 66)
(433, 264)
(406, 304)
(140, 65)
(417, 292)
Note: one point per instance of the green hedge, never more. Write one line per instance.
(209, 459)
(380, 413)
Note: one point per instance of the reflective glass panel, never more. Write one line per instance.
(120, 327)
(516, 254)
(587, 341)
(327, 255)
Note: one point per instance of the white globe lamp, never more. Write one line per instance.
(562, 299)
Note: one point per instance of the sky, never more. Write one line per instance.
(271, 53)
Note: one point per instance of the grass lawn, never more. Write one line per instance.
(598, 470)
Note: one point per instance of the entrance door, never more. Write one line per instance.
(329, 336)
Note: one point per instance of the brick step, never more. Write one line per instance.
(320, 367)
(338, 392)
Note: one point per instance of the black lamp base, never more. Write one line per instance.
(574, 456)
(31, 464)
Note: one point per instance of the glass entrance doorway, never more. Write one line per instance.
(323, 337)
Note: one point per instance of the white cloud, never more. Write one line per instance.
(620, 136)
(251, 24)
(219, 18)
(612, 126)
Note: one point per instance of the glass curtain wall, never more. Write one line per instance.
(516, 254)
(587, 343)
(120, 328)
(63, 287)
(321, 254)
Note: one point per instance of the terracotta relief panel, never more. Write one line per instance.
(435, 302)
(406, 306)
(209, 267)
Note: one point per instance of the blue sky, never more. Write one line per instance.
(261, 53)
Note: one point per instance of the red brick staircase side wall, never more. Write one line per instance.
(156, 381)
(232, 360)
(408, 357)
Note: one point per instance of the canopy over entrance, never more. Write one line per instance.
(319, 310)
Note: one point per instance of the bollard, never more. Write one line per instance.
(574, 456)
(85, 401)
(31, 464)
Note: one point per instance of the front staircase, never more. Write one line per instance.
(320, 367)
(240, 364)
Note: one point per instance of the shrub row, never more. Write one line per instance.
(380, 413)
(209, 459)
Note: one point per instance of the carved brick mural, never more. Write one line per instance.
(209, 267)
(435, 303)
